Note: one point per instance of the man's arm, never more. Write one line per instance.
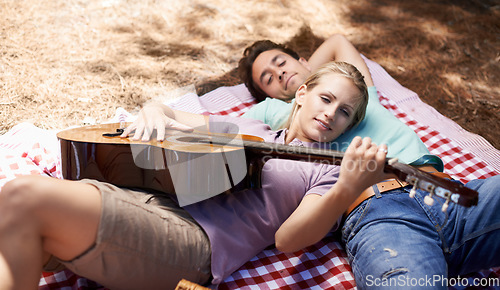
(161, 118)
(273, 112)
(338, 48)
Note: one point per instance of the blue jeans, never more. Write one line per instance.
(393, 241)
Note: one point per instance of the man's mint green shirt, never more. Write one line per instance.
(379, 124)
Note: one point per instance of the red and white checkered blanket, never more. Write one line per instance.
(26, 149)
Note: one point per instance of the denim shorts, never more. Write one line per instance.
(144, 241)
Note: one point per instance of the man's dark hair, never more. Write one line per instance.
(249, 56)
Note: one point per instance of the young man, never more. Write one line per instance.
(273, 70)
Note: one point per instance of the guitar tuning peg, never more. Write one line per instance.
(413, 190)
(413, 181)
(445, 205)
(447, 195)
(429, 200)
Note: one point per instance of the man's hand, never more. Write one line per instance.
(153, 117)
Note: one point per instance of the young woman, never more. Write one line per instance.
(130, 239)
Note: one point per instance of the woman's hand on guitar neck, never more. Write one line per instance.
(363, 165)
(161, 118)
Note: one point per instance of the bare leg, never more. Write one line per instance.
(39, 217)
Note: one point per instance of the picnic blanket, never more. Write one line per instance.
(26, 149)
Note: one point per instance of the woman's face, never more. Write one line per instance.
(326, 110)
(279, 74)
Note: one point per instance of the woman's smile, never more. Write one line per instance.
(323, 125)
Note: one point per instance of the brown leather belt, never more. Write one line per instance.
(388, 185)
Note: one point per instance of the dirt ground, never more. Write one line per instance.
(447, 51)
(62, 62)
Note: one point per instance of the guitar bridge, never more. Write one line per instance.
(118, 132)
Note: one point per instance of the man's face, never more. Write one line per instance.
(278, 74)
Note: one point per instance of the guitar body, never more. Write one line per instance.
(192, 171)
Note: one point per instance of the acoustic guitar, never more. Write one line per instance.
(196, 166)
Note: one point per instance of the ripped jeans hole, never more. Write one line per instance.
(395, 271)
(391, 252)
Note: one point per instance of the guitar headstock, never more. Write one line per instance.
(446, 189)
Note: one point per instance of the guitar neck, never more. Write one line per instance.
(261, 148)
(298, 153)
(445, 188)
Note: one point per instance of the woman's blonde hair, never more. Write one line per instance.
(346, 70)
